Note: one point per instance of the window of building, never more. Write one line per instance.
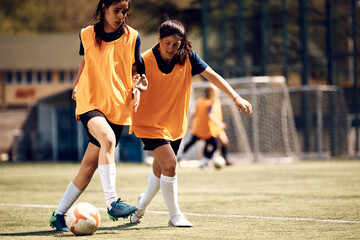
(72, 76)
(62, 76)
(48, 76)
(29, 77)
(18, 77)
(9, 77)
(67, 76)
(39, 77)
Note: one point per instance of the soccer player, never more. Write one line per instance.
(222, 138)
(104, 90)
(206, 124)
(161, 119)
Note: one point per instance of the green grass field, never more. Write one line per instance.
(302, 200)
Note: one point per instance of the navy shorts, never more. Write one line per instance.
(152, 144)
(85, 118)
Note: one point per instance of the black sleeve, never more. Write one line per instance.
(139, 62)
(198, 65)
(81, 51)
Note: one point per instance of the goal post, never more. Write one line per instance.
(269, 134)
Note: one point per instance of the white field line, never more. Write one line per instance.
(204, 215)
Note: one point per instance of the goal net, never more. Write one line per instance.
(323, 121)
(269, 134)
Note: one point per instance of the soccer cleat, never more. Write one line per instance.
(120, 209)
(204, 162)
(229, 163)
(179, 221)
(138, 215)
(58, 221)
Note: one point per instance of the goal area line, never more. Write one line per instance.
(206, 215)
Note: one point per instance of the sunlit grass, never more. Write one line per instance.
(323, 190)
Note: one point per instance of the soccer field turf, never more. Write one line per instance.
(301, 200)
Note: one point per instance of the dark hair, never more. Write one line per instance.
(174, 27)
(98, 18)
(210, 92)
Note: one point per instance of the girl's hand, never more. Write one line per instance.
(141, 82)
(74, 92)
(243, 104)
(222, 125)
(136, 99)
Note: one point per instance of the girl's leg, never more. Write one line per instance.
(153, 186)
(224, 154)
(209, 150)
(224, 140)
(210, 147)
(104, 134)
(144, 199)
(76, 187)
(88, 167)
(166, 159)
(190, 143)
(81, 180)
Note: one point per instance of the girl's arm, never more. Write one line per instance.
(81, 68)
(224, 86)
(140, 85)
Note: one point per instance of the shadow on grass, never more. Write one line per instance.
(129, 227)
(100, 230)
(37, 233)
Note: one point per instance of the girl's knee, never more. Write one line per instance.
(108, 141)
(169, 169)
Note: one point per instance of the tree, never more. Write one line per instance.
(44, 16)
(54, 16)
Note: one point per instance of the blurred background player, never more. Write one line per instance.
(161, 120)
(103, 91)
(222, 138)
(206, 124)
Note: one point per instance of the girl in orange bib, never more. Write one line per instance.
(206, 124)
(161, 119)
(103, 91)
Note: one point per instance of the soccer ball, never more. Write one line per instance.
(219, 162)
(83, 219)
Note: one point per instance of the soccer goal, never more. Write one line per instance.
(269, 134)
(323, 121)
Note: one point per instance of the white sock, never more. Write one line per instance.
(169, 190)
(151, 190)
(108, 178)
(70, 196)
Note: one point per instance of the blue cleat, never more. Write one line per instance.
(120, 209)
(58, 221)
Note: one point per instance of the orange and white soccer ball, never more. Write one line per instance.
(219, 162)
(83, 219)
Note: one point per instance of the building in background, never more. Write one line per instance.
(37, 113)
(37, 66)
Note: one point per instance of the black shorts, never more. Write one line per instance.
(152, 144)
(85, 118)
